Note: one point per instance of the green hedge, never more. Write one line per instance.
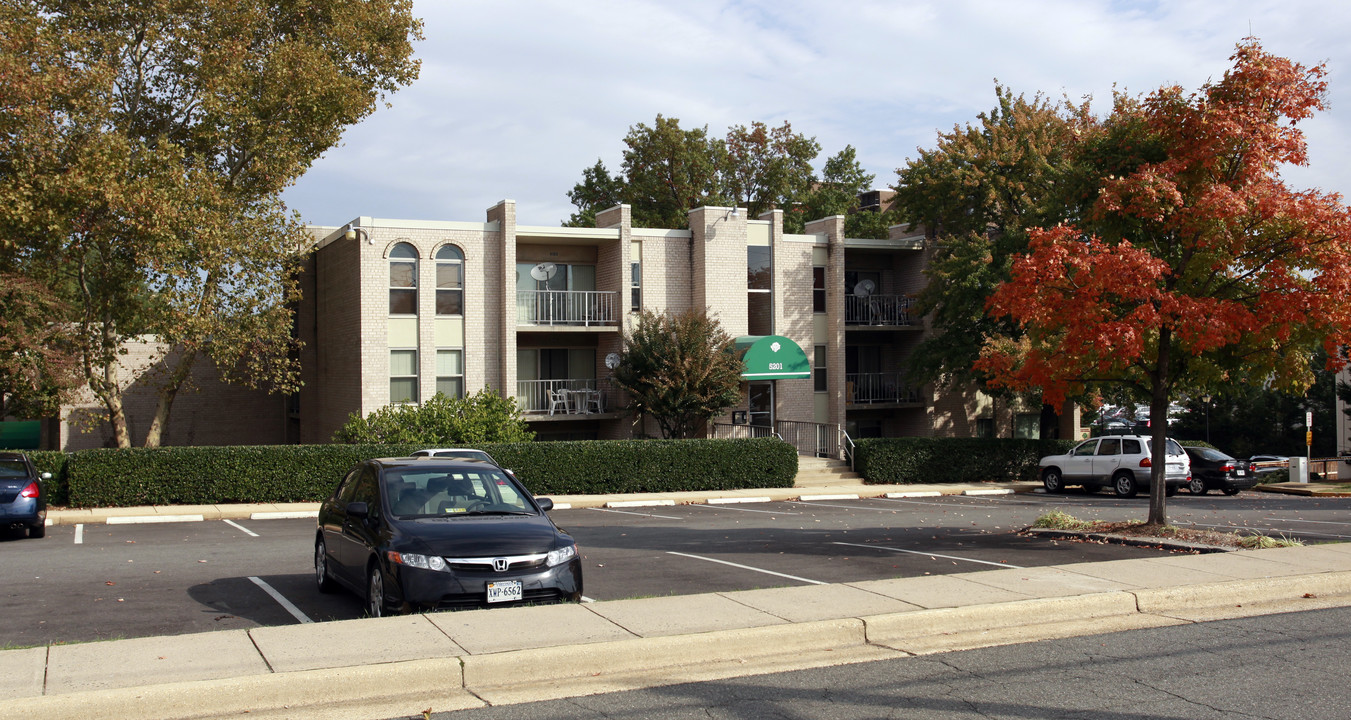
(308, 473)
(952, 460)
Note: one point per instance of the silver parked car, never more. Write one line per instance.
(1123, 462)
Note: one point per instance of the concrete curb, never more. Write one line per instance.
(1133, 540)
(472, 680)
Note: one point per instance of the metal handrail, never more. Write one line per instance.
(881, 310)
(872, 388)
(847, 444)
(565, 307)
(533, 395)
(728, 431)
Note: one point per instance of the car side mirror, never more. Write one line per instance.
(358, 509)
(545, 504)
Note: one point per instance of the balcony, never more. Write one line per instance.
(878, 310)
(566, 308)
(564, 397)
(878, 389)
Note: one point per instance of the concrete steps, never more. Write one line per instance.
(818, 472)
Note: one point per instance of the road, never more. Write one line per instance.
(1275, 667)
(84, 583)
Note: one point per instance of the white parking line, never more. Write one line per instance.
(741, 509)
(622, 512)
(746, 567)
(1298, 520)
(290, 608)
(931, 554)
(241, 528)
(138, 519)
(79, 533)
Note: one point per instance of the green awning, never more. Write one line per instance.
(772, 357)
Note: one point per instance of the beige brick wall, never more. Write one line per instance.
(207, 411)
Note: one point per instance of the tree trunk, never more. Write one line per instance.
(167, 393)
(1158, 425)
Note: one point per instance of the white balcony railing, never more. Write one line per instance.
(571, 396)
(873, 388)
(565, 307)
(885, 310)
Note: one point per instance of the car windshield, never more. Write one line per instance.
(416, 492)
(13, 469)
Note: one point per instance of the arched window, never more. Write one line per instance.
(449, 281)
(403, 280)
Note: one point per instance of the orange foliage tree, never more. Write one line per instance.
(1197, 267)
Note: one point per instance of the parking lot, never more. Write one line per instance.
(91, 582)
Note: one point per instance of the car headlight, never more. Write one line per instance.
(562, 555)
(434, 562)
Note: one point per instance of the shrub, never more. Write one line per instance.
(484, 417)
(952, 460)
(308, 473)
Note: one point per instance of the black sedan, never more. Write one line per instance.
(23, 502)
(411, 534)
(1214, 470)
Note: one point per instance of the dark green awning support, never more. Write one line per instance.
(772, 357)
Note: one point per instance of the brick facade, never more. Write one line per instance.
(344, 321)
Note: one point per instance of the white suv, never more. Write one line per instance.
(1122, 461)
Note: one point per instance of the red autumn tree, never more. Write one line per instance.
(1198, 267)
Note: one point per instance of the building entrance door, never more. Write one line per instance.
(761, 396)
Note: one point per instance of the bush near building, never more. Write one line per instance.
(952, 460)
(309, 473)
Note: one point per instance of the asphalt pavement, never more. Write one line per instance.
(403, 666)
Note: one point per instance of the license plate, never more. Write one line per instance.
(504, 591)
(1240, 473)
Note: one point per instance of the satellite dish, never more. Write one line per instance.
(864, 288)
(543, 271)
(612, 361)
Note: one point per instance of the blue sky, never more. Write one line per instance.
(516, 98)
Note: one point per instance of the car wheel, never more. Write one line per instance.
(1231, 491)
(1052, 480)
(321, 576)
(375, 592)
(1123, 484)
(1197, 486)
(37, 531)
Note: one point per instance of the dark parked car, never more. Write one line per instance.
(23, 500)
(1214, 470)
(429, 533)
(1270, 464)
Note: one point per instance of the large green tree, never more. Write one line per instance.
(977, 193)
(669, 171)
(143, 149)
(679, 369)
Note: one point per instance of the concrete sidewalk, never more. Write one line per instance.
(401, 666)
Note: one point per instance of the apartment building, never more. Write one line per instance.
(397, 310)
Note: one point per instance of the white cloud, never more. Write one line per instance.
(515, 99)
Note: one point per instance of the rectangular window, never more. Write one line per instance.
(984, 427)
(1027, 426)
(818, 289)
(450, 373)
(403, 376)
(449, 289)
(760, 297)
(819, 368)
(403, 288)
(635, 287)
